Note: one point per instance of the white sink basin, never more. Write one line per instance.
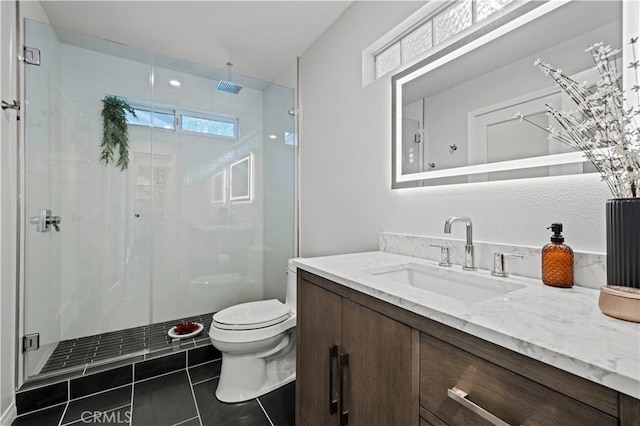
(456, 284)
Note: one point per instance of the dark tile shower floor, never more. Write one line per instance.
(88, 351)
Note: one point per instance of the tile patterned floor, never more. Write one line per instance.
(184, 398)
(88, 351)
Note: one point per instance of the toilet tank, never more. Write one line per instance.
(290, 297)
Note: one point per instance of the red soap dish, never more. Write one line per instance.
(185, 330)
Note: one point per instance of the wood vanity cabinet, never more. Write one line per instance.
(404, 369)
(354, 365)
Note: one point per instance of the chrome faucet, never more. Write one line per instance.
(469, 255)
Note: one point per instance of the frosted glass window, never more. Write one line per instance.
(458, 17)
(484, 8)
(208, 126)
(416, 43)
(452, 21)
(388, 60)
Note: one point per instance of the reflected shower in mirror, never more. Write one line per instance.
(454, 111)
(241, 180)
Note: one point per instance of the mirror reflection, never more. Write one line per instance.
(241, 180)
(454, 115)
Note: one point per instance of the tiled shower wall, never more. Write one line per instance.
(154, 225)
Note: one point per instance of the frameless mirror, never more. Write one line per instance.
(453, 112)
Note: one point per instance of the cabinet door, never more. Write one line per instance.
(379, 387)
(319, 317)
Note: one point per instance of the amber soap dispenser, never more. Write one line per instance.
(557, 260)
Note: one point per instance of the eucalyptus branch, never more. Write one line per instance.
(115, 134)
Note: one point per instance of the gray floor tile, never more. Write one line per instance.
(206, 371)
(191, 422)
(163, 401)
(216, 413)
(120, 416)
(280, 405)
(101, 402)
(48, 417)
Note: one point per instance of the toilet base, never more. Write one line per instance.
(244, 377)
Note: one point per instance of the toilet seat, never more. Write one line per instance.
(252, 315)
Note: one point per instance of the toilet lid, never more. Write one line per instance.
(252, 315)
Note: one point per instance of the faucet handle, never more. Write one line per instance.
(498, 263)
(444, 255)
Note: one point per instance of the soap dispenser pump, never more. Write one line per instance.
(557, 260)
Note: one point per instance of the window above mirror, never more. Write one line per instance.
(438, 25)
(453, 111)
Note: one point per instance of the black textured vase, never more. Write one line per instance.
(623, 242)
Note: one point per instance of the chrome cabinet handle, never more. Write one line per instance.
(344, 415)
(460, 397)
(333, 403)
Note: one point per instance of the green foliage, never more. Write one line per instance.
(115, 134)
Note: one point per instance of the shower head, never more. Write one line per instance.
(229, 86)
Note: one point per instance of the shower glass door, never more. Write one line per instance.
(90, 274)
(202, 218)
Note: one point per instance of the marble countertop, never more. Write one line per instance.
(560, 327)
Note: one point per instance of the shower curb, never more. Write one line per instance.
(33, 397)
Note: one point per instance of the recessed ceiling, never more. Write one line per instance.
(261, 38)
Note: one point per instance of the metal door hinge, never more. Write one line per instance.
(31, 342)
(14, 105)
(31, 56)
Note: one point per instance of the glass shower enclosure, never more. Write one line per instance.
(202, 218)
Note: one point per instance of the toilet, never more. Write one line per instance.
(257, 341)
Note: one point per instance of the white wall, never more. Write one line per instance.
(345, 151)
(8, 174)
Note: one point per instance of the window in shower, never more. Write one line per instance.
(182, 120)
(227, 128)
(146, 116)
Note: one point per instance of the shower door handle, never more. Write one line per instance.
(54, 221)
(45, 221)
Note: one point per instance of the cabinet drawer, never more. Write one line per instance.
(506, 395)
